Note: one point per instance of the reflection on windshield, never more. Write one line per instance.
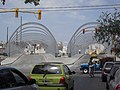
(46, 69)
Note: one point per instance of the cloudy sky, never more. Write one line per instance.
(62, 24)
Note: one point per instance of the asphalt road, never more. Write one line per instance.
(84, 82)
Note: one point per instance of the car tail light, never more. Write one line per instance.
(118, 87)
(62, 80)
(29, 77)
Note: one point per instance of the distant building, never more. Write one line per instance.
(98, 48)
(62, 48)
(2, 47)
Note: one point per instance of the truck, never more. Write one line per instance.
(84, 67)
(100, 61)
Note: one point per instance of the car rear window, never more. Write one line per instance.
(117, 63)
(109, 65)
(46, 69)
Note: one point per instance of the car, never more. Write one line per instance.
(104, 59)
(110, 76)
(114, 82)
(53, 76)
(106, 69)
(13, 79)
(84, 67)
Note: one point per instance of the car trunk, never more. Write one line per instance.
(48, 79)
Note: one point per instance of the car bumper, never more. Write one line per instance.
(53, 88)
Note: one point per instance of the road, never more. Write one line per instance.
(82, 81)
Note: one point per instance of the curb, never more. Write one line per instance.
(14, 60)
(76, 60)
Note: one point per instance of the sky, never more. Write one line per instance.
(62, 24)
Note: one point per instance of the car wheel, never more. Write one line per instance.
(104, 78)
(72, 86)
(85, 70)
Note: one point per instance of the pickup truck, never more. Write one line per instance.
(85, 67)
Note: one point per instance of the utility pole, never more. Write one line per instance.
(21, 29)
(7, 35)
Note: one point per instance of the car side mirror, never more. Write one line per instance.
(32, 81)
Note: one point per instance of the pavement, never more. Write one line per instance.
(48, 58)
(10, 60)
(66, 60)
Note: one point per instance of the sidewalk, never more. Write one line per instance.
(10, 60)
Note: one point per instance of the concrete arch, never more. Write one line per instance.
(72, 49)
(31, 31)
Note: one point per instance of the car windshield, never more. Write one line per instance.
(46, 69)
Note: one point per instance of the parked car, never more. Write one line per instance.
(53, 76)
(106, 69)
(114, 83)
(111, 76)
(104, 59)
(12, 79)
(84, 67)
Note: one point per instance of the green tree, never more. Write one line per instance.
(109, 29)
(35, 2)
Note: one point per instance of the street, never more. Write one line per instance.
(84, 82)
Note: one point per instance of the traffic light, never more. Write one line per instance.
(39, 14)
(16, 12)
(96, 30)
(83, 31)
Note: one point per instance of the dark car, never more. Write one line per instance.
(12, 79)
(114, 82)
(111, 76)
(106, 69)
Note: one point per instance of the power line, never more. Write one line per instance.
(90, 6)
(78, 9)
(74, 8)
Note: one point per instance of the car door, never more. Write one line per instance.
(69, 77)
(7, 81)
(22, 81)
(115, 81)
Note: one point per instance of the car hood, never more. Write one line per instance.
(84, 64)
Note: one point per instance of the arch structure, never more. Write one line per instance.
(32, 37)
(82, 38)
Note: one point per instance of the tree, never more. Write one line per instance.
(35, 2)
(109, 29)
